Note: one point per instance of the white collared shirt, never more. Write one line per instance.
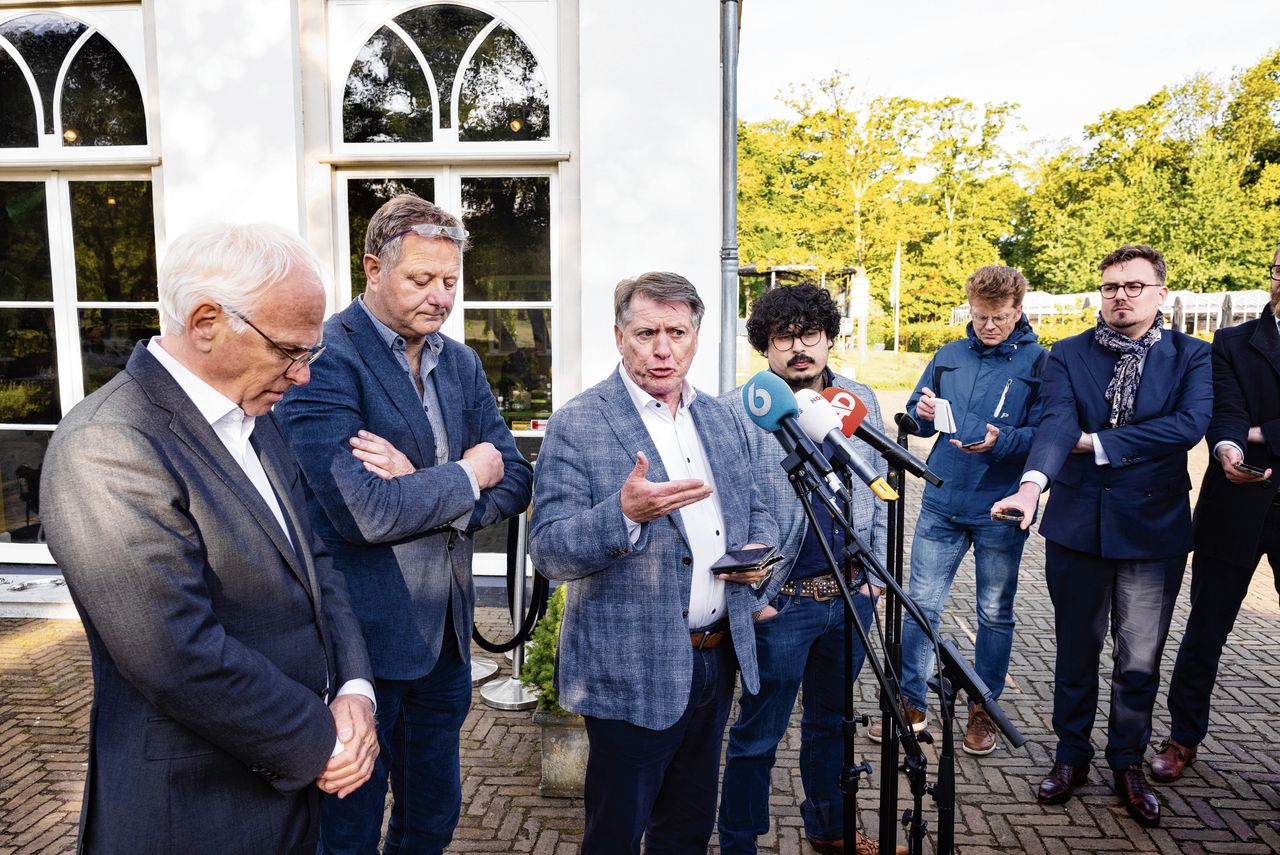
(233, 427)
(683, 456)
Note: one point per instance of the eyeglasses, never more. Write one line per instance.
(1275, 272)
(429, 230)
(786, 341)
(980, 321)
(306, 357)
(1131, 289)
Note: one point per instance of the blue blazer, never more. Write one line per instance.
(624, 648)
(402, 575)
(1136, 508)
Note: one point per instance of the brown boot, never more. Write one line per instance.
(1171, 759)
(980, 734)
(916, 718)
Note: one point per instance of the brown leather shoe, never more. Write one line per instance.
(980, 733)
(1060, 783)
(1137, 796)
(916, 718)
(862, 845)
(1170, 760)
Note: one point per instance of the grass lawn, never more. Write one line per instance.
(882, 370)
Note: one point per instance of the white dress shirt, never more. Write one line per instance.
(234, 427)
(680, 447)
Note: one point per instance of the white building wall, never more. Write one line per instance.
(649, 158)
(229, 112)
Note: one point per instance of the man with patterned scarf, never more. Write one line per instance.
(1122, 405)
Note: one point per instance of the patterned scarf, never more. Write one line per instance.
(1122, 391)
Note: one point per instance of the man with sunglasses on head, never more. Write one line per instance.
(1237, 519)
(799, 617)
(231, 684)
(405, 456)
(990, 380)
(1122, 405)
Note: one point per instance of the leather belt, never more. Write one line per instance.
(709, 638)
(821, 588)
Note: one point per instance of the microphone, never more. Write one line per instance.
(854, 411)
(772, 406)
(819, 420)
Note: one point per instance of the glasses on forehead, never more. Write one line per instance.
(786, 341)
(296, 355)
(429, 230)
(1131, 289)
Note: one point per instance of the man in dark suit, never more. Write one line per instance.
(1237, 519)
(641, 488)
(217, 626)
(1122, 404)
(405, 455)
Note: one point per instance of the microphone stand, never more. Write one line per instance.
(955, 670)
(851, 772)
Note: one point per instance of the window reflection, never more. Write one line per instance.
(510, 224)
(21, 459)
(28, 384)
(387, 97)
(515, 347)
(101, 103)
(24, 242)
(443, 34)
(43, 41)
(503, 95)
(112, 223)
(364, 197)
(107, 337)
(18, 125)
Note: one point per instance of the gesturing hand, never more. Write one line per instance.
(379, 456)
(645, 500)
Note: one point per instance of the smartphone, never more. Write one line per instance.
(974, 444)
(1250, 470)
(1012, 515)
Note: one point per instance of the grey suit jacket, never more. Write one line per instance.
(624, 640)
(869, 513)
(213, 639)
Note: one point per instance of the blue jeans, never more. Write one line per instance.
(418, 725)
(802, 645)
(939, 547)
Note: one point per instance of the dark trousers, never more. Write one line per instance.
(1217, 590)
(1135, 599)
(418, 725)
(661, 784)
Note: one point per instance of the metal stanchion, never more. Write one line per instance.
(509, 693)
(482, 668)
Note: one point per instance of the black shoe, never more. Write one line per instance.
(1060, 783)
(1137, 796)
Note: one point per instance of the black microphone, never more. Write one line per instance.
(852, 409)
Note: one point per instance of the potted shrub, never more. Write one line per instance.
(564, 736)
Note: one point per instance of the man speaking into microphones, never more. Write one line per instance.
(800, 637)
(980, 395)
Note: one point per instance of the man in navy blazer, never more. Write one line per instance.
(218, 627)
(651, 636)
(1237, 519)
(405, 455)
(1122, 405)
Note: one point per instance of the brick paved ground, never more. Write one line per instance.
(1228, 802)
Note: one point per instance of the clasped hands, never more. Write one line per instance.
(357, 731)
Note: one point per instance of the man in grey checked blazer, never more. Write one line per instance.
(800, 637)
(651, 638)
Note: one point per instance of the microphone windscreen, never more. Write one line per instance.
(848, 407)
(817, 418)
(768, 400)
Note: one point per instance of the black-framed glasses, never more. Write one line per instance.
(1131, 289)
(786, 341)
(298, 356)
(1275, 272)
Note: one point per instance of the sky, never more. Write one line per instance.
(1064, 63)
